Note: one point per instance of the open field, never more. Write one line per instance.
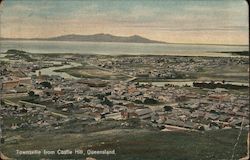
(135, 144)
(228, 73)
(93, 72)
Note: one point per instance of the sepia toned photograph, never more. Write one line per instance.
(124, 80)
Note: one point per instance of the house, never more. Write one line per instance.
(25, 80)
(125, 114)
(144, 113)
(158, 117)
(219, 97)
(58, 91)
(220, 90)
(197, 114)
(179, 123)
(116, 116)
(224, 118)
(238, 122)
(211, 116)
(10, 84)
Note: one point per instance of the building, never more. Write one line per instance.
(10, 84)
(116, 116)
(25, 80)
(144, 113)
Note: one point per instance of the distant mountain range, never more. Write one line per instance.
(92, 38)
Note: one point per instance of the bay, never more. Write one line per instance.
(111, 48)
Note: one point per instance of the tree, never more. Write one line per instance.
(150, 101)
(137, 101)
(107, 102)
(2, 140)
(47, 93)
(86, 99)
(2, 102)
(100, 96)
(201, 128)
(31, 93)
(46, 84)
(168, 108)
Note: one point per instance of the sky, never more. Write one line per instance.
(175, 21)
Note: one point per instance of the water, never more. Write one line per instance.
(108, 48)
(51, 70)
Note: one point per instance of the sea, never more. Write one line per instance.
(111, 48)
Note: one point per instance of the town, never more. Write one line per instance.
(124, 80)
(31, 99)
(81, 95)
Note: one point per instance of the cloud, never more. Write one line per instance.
(160, 20)
(19, 8)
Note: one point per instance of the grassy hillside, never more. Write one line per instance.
(132, 144)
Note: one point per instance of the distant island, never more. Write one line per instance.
(93, 38)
